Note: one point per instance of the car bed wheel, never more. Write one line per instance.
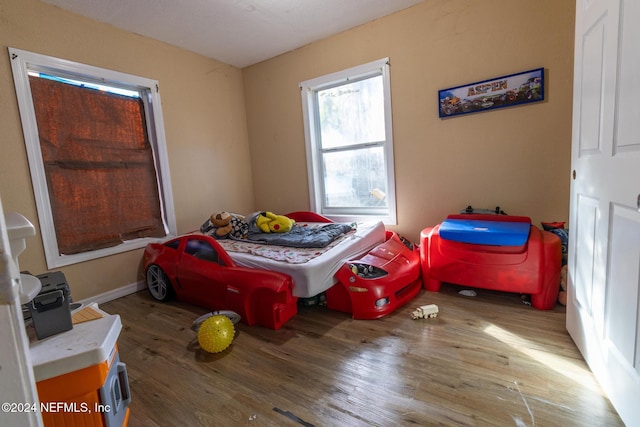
(158, 283)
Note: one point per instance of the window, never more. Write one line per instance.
(348, 133)
(173, 244)
(202, 250)
(97, 155)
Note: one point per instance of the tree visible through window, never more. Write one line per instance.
(96, 151)
(349, 143)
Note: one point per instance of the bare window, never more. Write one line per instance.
(349, 143)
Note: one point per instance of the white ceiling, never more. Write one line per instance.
(236, 32)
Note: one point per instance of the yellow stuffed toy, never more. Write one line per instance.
(268, 222)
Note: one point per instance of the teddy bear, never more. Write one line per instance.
(268, 222)
(222, 225)
(221, 221)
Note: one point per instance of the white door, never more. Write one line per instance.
(604, 237)
(18, 393)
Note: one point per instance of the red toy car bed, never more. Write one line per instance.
(196, 269)
(379, 282)
(498, 252)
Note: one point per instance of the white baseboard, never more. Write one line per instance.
(115, 294)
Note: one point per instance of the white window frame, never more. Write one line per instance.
(308, 91)
(23, 62)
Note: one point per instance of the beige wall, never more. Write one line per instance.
(518, 158)
(204, 115)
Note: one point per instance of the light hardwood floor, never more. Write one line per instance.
(487, 360)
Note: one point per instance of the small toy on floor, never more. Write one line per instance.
(426, 311)
(468, 293)
(216, 333)
(216, 330)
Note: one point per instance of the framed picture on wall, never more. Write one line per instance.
(499, 92)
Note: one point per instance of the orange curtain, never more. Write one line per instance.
(99, 166)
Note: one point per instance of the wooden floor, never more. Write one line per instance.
(484, 361)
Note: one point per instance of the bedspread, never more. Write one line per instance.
(300, 235)
(312, 270)
(289, 254)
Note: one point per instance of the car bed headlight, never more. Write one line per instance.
(382, 301)
(367, 271)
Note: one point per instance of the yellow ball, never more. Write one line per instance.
(216, 333)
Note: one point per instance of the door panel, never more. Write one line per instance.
(624, 276)
(628, 108)
(591, 100)
(586, 220)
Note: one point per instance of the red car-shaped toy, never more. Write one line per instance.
(196, 269)
(380, 282)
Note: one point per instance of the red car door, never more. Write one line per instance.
(202, 274)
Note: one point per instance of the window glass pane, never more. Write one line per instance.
(174, 244)
(202, 250)
(105, 88)
(349, 143)
(355, 178)
(352, 113)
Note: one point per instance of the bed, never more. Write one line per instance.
(311, 269)
(367, 271)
